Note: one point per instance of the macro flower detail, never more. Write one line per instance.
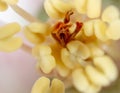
(44, 85)
(9, 42)
(4, 4)
(72, 48)
(69, 45)
(45, 60)
(35, 32)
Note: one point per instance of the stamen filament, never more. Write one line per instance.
(23, 13)
(26, 48)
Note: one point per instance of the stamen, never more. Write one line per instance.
(24, 14)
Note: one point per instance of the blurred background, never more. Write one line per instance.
(17, 69)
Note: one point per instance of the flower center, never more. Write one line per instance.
(61, 31)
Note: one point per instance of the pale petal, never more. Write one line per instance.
(9, 30)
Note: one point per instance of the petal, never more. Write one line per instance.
(111, 13)
(9, 30)
(41, 85)
(3, 6)
(10, 44)
(93, 8)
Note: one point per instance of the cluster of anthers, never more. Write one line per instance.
(69, 45)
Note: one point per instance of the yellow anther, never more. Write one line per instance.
(51, 11)
(37, 27)
(35, 38)
(9, 30)
(100, 30)
(42, 85)
(79, 49)
(11, 2)
(57, 86)
(10, 44)
(107, 66)
(80, 80)
(113, 31)
(80, 6)
(110, 14)
(96, 76)
(94, 8)
(88, 28)
(68, 59)
(46, 61)
(62, 5)
(95, 50)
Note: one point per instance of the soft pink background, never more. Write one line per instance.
(17, 69)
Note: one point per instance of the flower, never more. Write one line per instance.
(4, 4)
(69, 46)
(77, 54)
